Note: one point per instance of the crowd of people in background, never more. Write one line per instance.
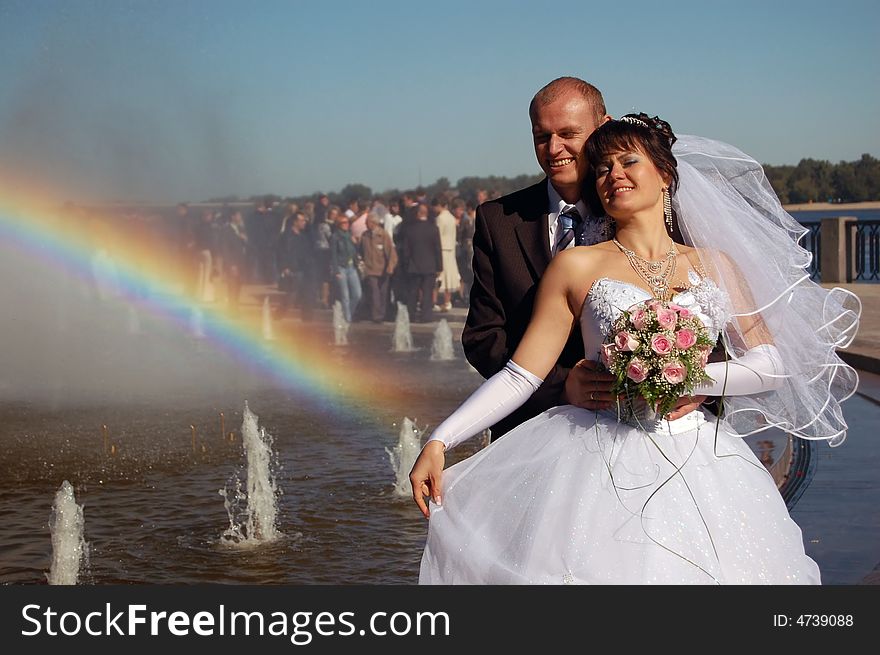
(369, 254)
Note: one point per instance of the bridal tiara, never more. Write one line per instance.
(656, 123)
(634, 121)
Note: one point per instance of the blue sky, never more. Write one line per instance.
(182, 100)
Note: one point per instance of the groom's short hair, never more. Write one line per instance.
(561, 85)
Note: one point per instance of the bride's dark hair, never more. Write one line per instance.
(651, 135)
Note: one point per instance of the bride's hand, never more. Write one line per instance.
(426, 474)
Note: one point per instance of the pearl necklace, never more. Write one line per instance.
(656, 273)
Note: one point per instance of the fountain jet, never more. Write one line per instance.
(69, 549)
(255, 523)
(404, 454)
(441, 348)
(402, 341)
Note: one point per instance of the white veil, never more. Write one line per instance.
(726, 208)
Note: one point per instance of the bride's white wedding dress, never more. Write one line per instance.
(577, 497)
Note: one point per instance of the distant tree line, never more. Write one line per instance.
(811, 180)
(814, 180)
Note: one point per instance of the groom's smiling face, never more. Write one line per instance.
(559, 129)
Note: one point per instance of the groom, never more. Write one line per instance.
(515, 238)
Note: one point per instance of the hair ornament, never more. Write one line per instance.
(634, 121)
(652, 123)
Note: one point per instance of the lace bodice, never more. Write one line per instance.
(607, 298)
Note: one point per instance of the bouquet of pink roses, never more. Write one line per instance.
(658, 351)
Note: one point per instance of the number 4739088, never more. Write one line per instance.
(813, 620)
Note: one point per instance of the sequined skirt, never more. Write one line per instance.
(575, 497)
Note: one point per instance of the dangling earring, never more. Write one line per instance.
(667, 209)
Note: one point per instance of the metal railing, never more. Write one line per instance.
(865, 250)
(862, 249)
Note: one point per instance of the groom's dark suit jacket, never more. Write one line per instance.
(511, 253)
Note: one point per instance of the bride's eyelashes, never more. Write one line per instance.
(603, 169)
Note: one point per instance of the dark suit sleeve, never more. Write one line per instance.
(484, 338)
(281, 254)
(550, 393)
(403, 251)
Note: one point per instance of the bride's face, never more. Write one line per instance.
(628, 183)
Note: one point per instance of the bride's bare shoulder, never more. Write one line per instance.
(583, 257)
(574, 264)
(574, 270)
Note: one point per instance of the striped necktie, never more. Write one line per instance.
(572, 224)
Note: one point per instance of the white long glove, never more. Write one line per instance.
(497, 397)
(759, 369)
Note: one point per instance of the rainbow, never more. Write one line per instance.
(155, 283)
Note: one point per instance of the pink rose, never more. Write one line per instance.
(667, 318)
(607, 354)
(637, 370)
(661, 344)
(654, 305)
(625, 341)
(639, 318)
(674, 372)
(685, 338)
(683, 312)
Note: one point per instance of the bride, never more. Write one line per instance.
(578, 496)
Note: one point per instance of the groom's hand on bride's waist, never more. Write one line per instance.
(588, 386)
(684, 406)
